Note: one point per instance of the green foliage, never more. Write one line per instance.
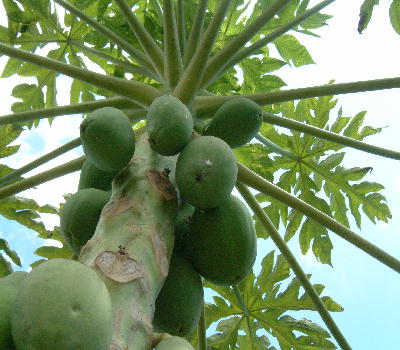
(180, 301)
(62, 302)
(206, 172)
(169, 125)
(222, 242)
(366, 11)
(236, 122)
(394, 13)
(108, 139)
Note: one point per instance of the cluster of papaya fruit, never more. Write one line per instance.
(214, 232)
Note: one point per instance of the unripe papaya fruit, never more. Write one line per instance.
(92, 177)
(8, 291)
(174, 343)
(64, 305)
(185, 211)
(223, 243)
(80, 215)
(206, 172)
(236, 122)
(108, 139)
(180, 301)
(169, 125)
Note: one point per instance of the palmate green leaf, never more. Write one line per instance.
(5, 266)
(9, 252)
(292, 51)
(394, 14)
(365, 15)
(51, 252)
(268, 303)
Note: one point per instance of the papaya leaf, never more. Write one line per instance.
(5, 266)
(394, 14)
(365, 15)
(9, 252)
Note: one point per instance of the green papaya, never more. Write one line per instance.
(169, 125)
(174, 343)
(108, 139)
(8, 290)
(80, 215)
(236, 122)
(206, 172)
(180, 301)
(64, 305)
(185, 211)
(92, 177)
(223, 242)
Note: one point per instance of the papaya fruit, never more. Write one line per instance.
(174, 343)
(92, 177)
(236, 122)
(222, 242)
(185, 211)
(8, 291)
(108, 139)
(169, 125)
(180, 301)
(206, 172)
(62, 304)
(80, 215)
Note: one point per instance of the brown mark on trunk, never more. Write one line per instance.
(161, 183)
(160, 252)
(121, 205)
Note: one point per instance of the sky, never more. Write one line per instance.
(366, 289)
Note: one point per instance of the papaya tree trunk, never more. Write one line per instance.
(133, 243)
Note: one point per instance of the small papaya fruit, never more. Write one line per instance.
(185, 211)
(174, 343)
(206, 172)
(8, 290)
(236, 122)
(223, 243)
(169, 125)
(108, 139)
(92, 177)
(180, 301)
(80, 215)
(62, 304)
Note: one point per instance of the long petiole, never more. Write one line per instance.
(40, 161)
(181, 23)
(201, 330)
(138, 92)
(239, 56)
(218, 61)
(189, 84)
(330, 136)
(172, 53)
(255, 181)
(195, 32)
(25, 184)
(294, 264)
(153, 52)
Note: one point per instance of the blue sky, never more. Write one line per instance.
(366, 289)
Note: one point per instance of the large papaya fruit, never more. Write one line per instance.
(180, 301)
(206, 172)
(169, 125)
(185, 212)
(108, 139)
(236, 122)
(92, 177)
(64, 305)
(174, 343)
(80, 215)
(8, 291)
(223, 243)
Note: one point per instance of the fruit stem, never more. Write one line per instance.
(274, 147)
(295, 266)
(255, 181)
(138, 92)
(61, 170)
(330, 136)
(218, 61)
(126, 65)
(40, 161)
(109, 34)
(201, 330)
(189, 84)
(230, 61)
(195, 32)
(240, 300)
(153, 52)
(173, 60)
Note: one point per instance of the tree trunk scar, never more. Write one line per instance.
(121, 205)
(161, 183)
(160, 252)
